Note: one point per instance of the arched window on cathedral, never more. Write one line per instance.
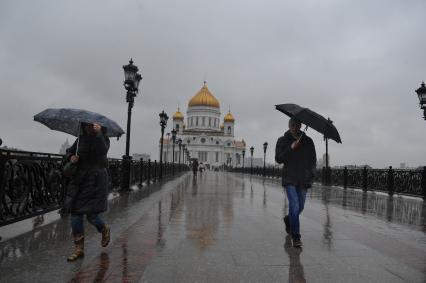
(204, 121)
(210, 121)
(229, 129)
(192, 121)
(196, 121)
(177, 127)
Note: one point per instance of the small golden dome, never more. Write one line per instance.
(204, 98)
(178, 115)
(221, 126)
(229, 118)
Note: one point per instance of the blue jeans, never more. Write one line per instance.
(296, 202)
(78, 226)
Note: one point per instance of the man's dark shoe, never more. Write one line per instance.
(297, 243)
(287, 224)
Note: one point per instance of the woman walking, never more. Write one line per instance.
(87, 191)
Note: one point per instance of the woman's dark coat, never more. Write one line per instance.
(299, 164)
(87, 191)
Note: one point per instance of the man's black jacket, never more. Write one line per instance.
(299, 164)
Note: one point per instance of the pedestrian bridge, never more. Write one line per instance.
(227, 227)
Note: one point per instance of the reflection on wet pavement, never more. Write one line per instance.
(219, 227)
(295, 272)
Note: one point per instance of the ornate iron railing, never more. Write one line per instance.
(32, 183)
(401, 181)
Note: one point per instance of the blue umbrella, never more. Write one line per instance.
(68, 120)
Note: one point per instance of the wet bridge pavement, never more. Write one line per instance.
(223, 227)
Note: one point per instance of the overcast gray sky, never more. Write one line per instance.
(357, 62)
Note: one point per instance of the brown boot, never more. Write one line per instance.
(79, 248)
(105, 236)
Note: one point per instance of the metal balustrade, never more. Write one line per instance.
(400, 181)
(32, 183)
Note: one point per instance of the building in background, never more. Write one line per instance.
(207, 137)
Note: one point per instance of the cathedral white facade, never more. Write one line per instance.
(203, 133)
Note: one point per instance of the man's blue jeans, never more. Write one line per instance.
(78, 226)
(296, 202)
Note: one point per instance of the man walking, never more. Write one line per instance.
(297, 152)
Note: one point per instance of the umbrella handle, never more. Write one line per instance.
(303, 133)
(78, 139)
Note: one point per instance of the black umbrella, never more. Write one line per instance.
(311, 119)
(68, 120)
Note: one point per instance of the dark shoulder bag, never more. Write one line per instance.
(70, 168)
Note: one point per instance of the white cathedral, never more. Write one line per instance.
(206, 138)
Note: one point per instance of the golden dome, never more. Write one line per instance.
(178, 115)
(204, 98)
(221, 126)
(229, 118)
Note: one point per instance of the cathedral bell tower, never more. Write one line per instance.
(228, 125)
(178, 122)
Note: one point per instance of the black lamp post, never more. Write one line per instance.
(421, 93)
(244, 154)
(167, 149)
(251, 166)
(183, 153)
(180, 148)
(173, 148)
(131, 84)
(265, 146)
(327, 161)
(163, 124)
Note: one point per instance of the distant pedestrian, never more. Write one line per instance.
(87, 191)
(195, 167)
(296, 152)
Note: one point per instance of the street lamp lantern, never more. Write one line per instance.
(137, 81)
(131, 84)
(163, 124)
(251, 165)
(163, 119)
(131, 78)
(265, 146)
(421, 93)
